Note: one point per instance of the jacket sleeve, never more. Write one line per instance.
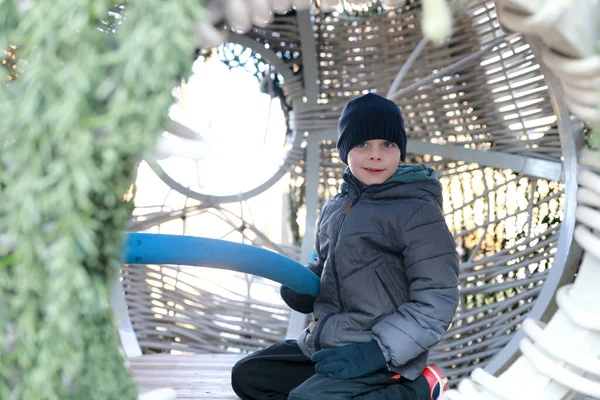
(316, 265)
(432, 271)
(303, 303)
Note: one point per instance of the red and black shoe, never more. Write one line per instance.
(438, 382)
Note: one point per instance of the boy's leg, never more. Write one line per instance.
(378, 386)
(399, 389)
(271, 373)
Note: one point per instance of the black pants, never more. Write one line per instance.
(281, 371)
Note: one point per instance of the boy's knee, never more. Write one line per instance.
(240, 368)
(239, 377)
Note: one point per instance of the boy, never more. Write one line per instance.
(389, 278)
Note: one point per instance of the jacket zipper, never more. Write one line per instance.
(337, 279)
(387, 289)
(348, 207)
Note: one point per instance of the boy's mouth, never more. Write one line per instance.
(374, 170)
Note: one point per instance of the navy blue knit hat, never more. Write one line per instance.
(368, 117)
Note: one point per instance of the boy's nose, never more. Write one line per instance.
(375, 155)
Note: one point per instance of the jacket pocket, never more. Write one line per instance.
(390, 280)
(319, 330)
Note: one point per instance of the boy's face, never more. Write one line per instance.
(374, 161)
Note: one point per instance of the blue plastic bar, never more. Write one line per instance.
(150, 248)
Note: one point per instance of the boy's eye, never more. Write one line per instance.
(389, 144)
(362, 145)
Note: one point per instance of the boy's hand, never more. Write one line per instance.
(351, 361)
(302, 303)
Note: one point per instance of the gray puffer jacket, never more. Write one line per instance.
(388, 269)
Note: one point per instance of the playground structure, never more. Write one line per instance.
(511, 89)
